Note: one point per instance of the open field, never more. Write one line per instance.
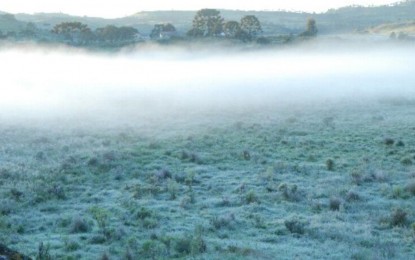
(327, 180)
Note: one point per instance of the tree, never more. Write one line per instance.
(251, 26)
(207, 23)
(161, 31)
(29, 31)
(107, 33)
(231, 29)
(87, 36)
(311, 30)
(127, 33)
(113, 34)
(74, 32)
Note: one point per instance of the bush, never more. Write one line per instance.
(410, 187)
(330, 164)
(79, 225)
(406, 161)
(43, 252)
(172, 188)
(289, 192)
(352, 196)
(398, 217)
(152, 249)
(388, 141)
(222, 221)
(251, 197)
(101, 216)
(334, 204)
(72, 246)
(295, 225)
(356, 177)
(400, 143)
(188, 244)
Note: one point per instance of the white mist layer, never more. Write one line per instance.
(39, 84)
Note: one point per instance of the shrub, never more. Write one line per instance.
(246, 155)
(79, 225)
(172, 188)
(352, 196)
(330, 164)
(163, 174)
(72, 246)
(399, 193)
(406, 161)
(289, 192)
(144, 213)
(388, 141)
(316, 206)
(152, 249)
(191, 244)
(43, 252)
(295, 225)
(101, 216)
(150, 223)
(16, 194)
(57, 191)
(398, 217)
(105, 256)
(400, 143)
(186, 201)
(222, 221)
(98, 239)
(356, 177)
(251, 197)
(410, 187)
(183, 245)
(334, 204)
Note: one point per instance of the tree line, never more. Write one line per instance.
(207, 23)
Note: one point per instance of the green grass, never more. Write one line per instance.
(257, 184)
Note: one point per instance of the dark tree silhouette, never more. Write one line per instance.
(73, 32)
(231, 29)
(161, 31)
(311, 30)
(251, 26)
(206, 23)
(113, 34)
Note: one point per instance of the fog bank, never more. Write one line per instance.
(68, 84)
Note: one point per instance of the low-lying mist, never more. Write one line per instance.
(65, 84)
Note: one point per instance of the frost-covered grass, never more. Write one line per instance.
(332, 181)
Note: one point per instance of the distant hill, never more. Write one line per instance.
(402, 27)
(346, 19)
(8, 23)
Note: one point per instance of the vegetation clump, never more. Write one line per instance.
(388, 141)
(410, 187)
(406, 161)
(334, 204)
(79, 225)
(190, 244)
(398, 217)
(251, 197)
(330, 164)
(289, 192)
(296, 225)
(101, 216)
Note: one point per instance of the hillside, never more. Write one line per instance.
(401, 27)
(347, 19)
(9, 23)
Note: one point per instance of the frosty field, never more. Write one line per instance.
(294, 154)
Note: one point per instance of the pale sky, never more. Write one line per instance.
(120, 8)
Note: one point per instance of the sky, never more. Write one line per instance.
(120, 8)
